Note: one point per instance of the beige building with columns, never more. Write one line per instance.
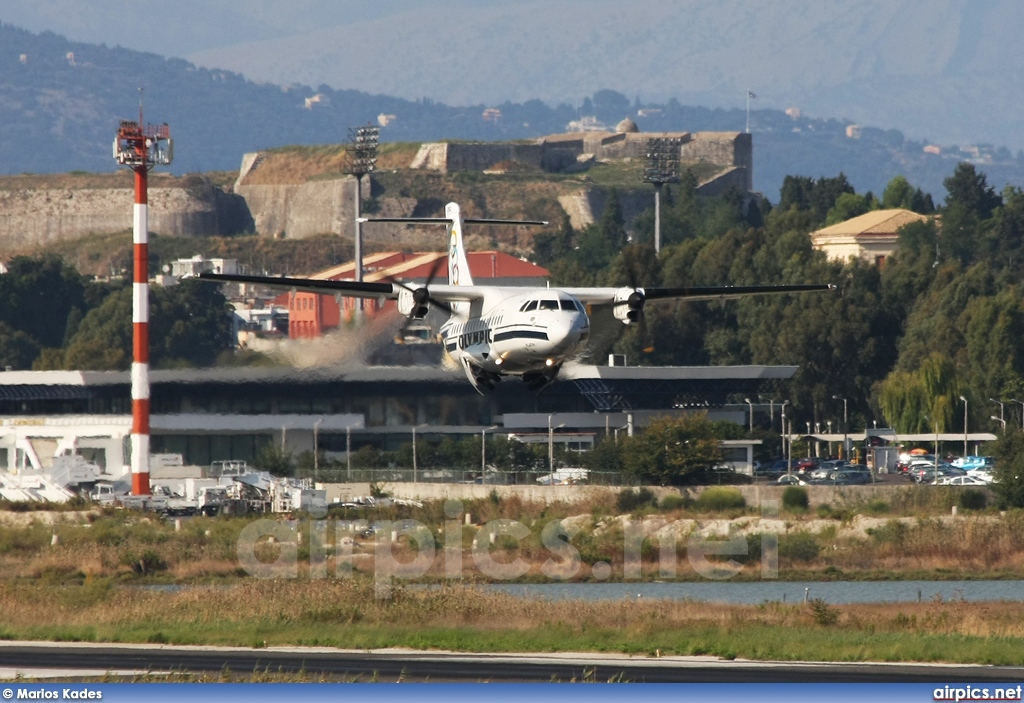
(871, 237)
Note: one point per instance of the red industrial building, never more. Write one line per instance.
(312, 314)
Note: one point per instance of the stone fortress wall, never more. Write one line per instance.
(40, 216)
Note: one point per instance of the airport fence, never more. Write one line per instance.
(490, 478)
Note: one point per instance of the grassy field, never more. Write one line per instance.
(107, 575)
(350, 613)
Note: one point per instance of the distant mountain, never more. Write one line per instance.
(60, 102)
(939, 70)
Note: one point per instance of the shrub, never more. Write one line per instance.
(716, 499)
(823, 613)
(795, 498)
(877, 507)
(973, 499)
(674, 502)
(799, 546)
(629, 500)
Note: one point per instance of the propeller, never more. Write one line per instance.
(635, 302)
(421, 299)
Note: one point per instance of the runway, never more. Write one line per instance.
(388, 665)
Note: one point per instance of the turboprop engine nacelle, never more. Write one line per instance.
(407, 303)
(628, 305)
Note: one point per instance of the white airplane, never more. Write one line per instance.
(496, 331)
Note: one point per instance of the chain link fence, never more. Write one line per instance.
(531, 477)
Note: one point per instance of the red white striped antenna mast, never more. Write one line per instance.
(140, 147)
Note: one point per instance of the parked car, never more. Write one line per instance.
(791, 480)
(849, 478)
(827, 467)
(967, 480)
(970, 463)
(807, 465)
(931, 474)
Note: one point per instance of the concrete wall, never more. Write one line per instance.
(319, 207)
(31, 217)
(754, 494)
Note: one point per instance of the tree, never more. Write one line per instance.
(189, 326)
(969, 189)
(17, 349)
(671, 448)
(848, 206)
(921, 400)
(39, 294)
(1009, 454)
(900, 194)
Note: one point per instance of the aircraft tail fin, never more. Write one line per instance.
(458, 264)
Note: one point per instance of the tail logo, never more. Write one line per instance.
(453, 259)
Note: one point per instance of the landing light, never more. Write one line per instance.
(498, 361)
(549, 362)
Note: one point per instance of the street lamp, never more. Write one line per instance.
(965, 425)
(1000, 420)
(348, 453)
(551, 444)
(784, 455)
(316, 448)
(1002, 414)
(846, 427)
(751, 405)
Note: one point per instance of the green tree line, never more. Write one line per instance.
(942, 318)
(54, 318)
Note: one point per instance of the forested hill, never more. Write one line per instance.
(60, 102)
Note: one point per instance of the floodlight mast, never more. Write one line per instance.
(361, 160)
(140, 147)
(662, 167)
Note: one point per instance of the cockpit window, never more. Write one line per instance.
(532, 305)
(549, 305)
(567, 304)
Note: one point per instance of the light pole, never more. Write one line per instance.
(316, 448)
(1002, 414)
(348, 453)
(750, 427)
(551, 444)
(965, 425)
(829, 423)
(483, 448)
(846, 427)
(1000, 420)
(808, 440)
(784, 455)
(415, 470)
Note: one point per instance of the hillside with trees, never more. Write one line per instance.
(60, 103)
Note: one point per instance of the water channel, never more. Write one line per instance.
(787, 591)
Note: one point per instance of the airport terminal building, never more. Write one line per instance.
(219, 414)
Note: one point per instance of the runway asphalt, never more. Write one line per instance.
(77, 660)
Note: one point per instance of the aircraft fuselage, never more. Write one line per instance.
(516, 331)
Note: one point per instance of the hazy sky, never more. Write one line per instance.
(936, 69)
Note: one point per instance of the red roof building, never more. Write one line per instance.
(312, 314)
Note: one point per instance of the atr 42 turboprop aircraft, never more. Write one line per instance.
(496, 331)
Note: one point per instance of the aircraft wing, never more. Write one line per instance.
(607, 296)
(354, 289)
(351, 289)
